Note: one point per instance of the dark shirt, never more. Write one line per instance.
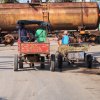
(23, 35)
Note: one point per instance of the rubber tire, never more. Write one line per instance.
(69, 63)
(60, 62)
(20, 64)
(52, 65)
(52, 57)
(31, 65)
(42, 65)
(84, 56)
(89, 61)
(16, 62)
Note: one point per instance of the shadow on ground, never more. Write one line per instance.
(3, 98)
(6, 65)
(6, 56)
(94, 70)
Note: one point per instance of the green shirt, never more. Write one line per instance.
(41, 35)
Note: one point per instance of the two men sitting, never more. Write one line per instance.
(39, 36)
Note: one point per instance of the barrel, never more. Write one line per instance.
(61, 16)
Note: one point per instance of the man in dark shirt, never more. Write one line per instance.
(23, 34)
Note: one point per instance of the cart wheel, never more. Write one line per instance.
(89, 61)
(16, 62)
(84, 56)
(69, 63)
(52, 66)
(42, 65)
(60, 62)
(20, 64)
(72, 62)
(31, 65)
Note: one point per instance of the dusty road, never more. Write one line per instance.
(71, 84)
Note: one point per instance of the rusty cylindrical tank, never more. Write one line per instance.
(60, 15)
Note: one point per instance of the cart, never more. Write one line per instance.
(75, 52)
(31, 52)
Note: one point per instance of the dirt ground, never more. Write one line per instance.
(73, 83)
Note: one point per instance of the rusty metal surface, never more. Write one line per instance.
(33, 48)
(60, 15)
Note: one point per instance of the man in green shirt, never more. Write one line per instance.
(41, 34)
